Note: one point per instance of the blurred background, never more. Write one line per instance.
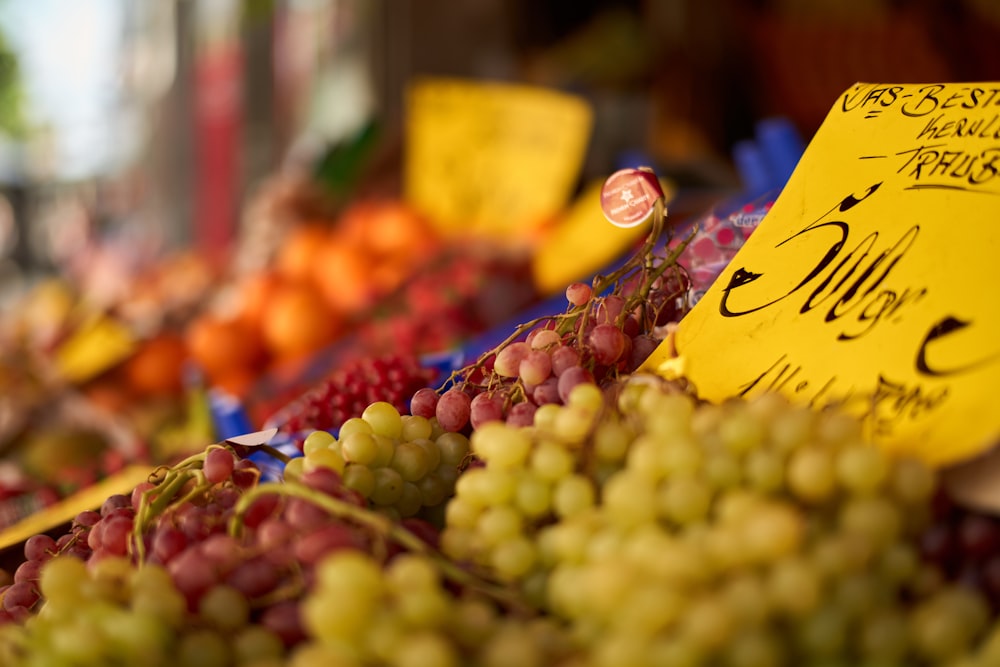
(152, 121)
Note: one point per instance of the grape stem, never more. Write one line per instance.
(643, 260)
(387, 529)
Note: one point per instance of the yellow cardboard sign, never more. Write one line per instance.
(872, 282)
(63, 511)
(492, 159)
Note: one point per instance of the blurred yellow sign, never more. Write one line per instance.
(872, 284)
(492, 159)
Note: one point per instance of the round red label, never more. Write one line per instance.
(628, 196)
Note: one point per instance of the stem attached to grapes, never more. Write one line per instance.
(384, 527)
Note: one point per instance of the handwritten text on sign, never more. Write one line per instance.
(872, 283)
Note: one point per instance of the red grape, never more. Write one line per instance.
(218, 465)
(453, 410)
(484, 408)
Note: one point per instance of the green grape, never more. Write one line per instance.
(499, 523)
(874, 518)
(431, 451)
(425, 649)
(861, 467)
(883, 635)
(643, 458)
(323, 458)
(572, 495)
(360, 478)
(354, 425)
(500, 445)
(912, 481)
(61, 578)
(359, 447)
(629, 499)
(754, 647)
(410, 461)
(294, 468)
(434, 490)
(410, 500)
(474, 619)
(532, 495)
(415, 428)
(684, 500)
(203, 648)
(454, 447)
(765, 470)
(224, 608)
(572, 423)
(823, 634)
(422, 608)
(255, 644)
(386, 449)
(681, 456)
(611, 440)
(740, 431)
(811, 474)
(545, 417)
(551, 461)
(384, 419)
(461, 513)
(723, 471)
(411, 572)
(586, 396)
(317, 440)
(388, 487)
(166, 604)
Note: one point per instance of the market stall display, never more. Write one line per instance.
(607, 483)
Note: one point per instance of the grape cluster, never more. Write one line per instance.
(204, 559)
(406, 614)
(350, 389)
(664, 531)
(399, 464)
(607, 331)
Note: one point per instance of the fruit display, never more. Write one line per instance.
(92, 380)
(546, 504)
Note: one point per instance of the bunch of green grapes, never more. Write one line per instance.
(399, 463)
(403, 615)
(110, 612)
(664, 531)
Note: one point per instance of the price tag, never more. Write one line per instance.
(871, 284)
(581, 243)
(492, 159)
(629, 196)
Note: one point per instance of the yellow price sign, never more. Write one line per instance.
(492, 159)
(871, 284)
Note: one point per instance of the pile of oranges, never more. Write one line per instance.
(324, 276)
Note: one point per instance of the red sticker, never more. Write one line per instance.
(628, 197)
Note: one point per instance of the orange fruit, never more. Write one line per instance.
(156, 368)
(299, 321)
(222, 345)
(342, 275)
(255, 293)
(395, 229)
(298, 253)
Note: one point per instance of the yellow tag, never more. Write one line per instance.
(94, 347)
(63, 511)
(581, 243)
(872, 281)
(492, 159)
